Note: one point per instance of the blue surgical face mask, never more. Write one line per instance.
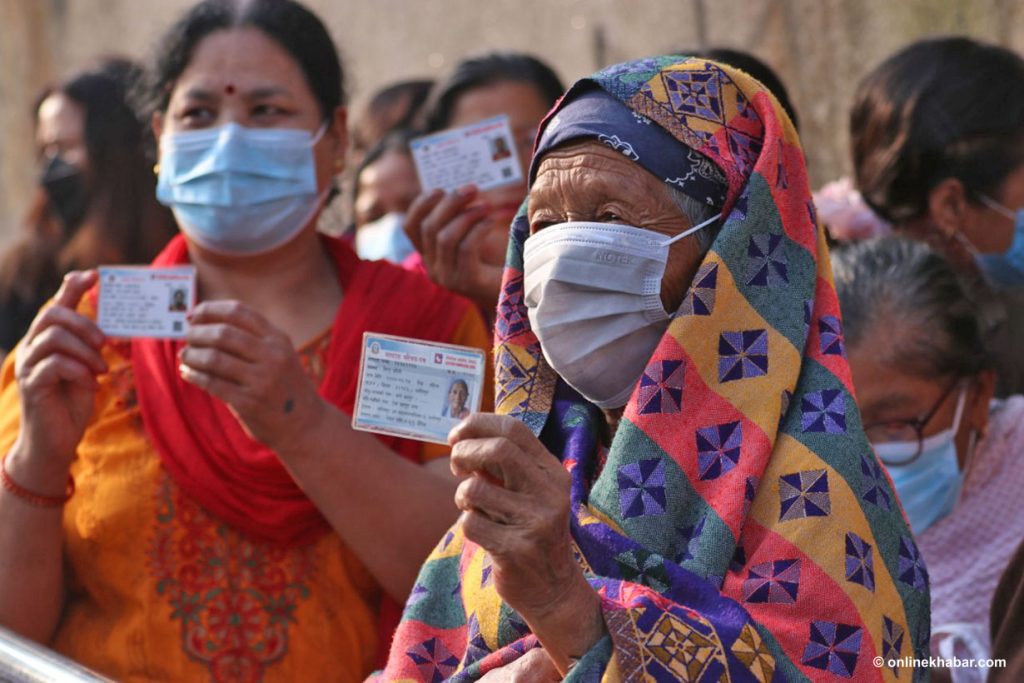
(384, 238)
(927, 486)
(1006, 269)
(237, 190)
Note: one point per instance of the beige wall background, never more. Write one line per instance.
(820, 48)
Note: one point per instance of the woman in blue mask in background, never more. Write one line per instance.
(94, 202)
(937, 135)
(924, 385)
(201, 509)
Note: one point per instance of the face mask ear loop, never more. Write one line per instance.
(690, 231)
(687, 233)
(997, 207)
(320, 133)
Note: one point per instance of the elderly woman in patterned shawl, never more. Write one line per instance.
(676, 485)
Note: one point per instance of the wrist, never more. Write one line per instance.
(569, 626)
(45, 476)
(309, 431)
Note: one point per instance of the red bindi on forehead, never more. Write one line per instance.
(229, 89)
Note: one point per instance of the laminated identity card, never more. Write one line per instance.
(145, 302)
(416, 389)
(481, 153)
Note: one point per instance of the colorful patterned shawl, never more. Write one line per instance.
(739, 527)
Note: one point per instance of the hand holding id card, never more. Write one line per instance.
(482, 153)
(416, 389)
(140, 301)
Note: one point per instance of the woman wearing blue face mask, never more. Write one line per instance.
(924, 384)
(201, 509)
(937, 136)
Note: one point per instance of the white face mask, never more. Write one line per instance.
(593, 295)
(384, 238)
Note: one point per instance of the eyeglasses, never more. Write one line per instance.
(906, 431)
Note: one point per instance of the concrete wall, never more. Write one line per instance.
(821, 48)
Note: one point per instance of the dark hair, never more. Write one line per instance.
(895, 281)
(940, 108)
(394, 107)
(489, 69)
(744, 61)
(123, 222)
(288, 23)
(395, 141)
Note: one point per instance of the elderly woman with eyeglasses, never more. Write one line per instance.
(925, 384)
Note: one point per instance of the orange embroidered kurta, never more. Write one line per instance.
(160, 590)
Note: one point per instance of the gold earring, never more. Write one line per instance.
(156, 169)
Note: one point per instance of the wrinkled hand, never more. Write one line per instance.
(515, 503)
(235, 354)
(533, 667)
(56, 367)
(453, 234)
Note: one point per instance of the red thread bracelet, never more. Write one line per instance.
(32, 498)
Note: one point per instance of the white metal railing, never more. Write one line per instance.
(25, 661)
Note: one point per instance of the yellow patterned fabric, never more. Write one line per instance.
(739, 526)
(158, 589)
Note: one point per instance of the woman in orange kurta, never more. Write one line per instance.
(200, 509)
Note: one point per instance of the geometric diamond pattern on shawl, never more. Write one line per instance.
(661, 387)
(859, 561)
(642, 488)
(487, 571)
(623, 630)
(824, 412)
(804, 494)
(773, 582)
(718, 449)
(688, 540)
(892, 643)
(833, 647)
(515, 376)
(750, 649)
(742, 354)
(643, 567)
(700, 300)
(510, 319)
(419, 591)
(435, 661)
(477, 647)
(911, 570)
(695, 93)
(680, 648)
(830, 331)
(872, 487)
(766, 261)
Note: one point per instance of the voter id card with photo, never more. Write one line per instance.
(416, 389)
(482, 153)
(145, 302)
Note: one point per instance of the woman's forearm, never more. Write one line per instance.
(390, 511)
(31, 552)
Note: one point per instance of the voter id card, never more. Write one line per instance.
(482, 153)
(145, 302)
(416, 389)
